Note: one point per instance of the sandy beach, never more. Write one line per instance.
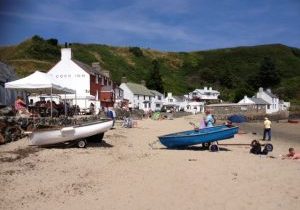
(125, 172)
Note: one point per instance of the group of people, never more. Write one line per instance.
(40, 108)
(209, 121)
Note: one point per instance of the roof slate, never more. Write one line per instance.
(155, 92)
(139, 89)
(84, 66)
(179, 98)
(259, 101)
(88, 68)
(270, 94)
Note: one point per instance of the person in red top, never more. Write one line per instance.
(20, 106)
(19, 103)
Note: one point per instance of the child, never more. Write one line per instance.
(291, 155)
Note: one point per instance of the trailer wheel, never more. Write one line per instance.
(206, 145)
(213, 148)
(269, 147)
(82, 143)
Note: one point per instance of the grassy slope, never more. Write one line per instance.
(229, 70)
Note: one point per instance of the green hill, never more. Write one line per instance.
(233, 71)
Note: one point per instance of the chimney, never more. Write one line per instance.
(205, 88)
(96, 66)
(106, 73)
(269, 90)
(169, 94)
(210, 88)
(260, 89)
(124, 80)
(66, 54)
(143, 82)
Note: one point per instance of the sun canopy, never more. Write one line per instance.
(39, 83)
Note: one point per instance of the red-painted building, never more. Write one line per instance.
(106, 85)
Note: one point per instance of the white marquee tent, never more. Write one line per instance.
(39, 83)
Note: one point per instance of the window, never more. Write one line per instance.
(97, 79)
(157, 105)
(144, 97)
(159, 97)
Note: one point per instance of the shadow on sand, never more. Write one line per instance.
(195, 148)
(73, 144)
(103, 144)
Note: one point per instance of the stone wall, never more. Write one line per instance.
(252, 112)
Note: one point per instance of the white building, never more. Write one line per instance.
(87, 81)
(268, 96)
(272, 102)
(204, 94)
(284, 105)
(158, 100)
(119, 95)
(177, 102)
(260, 103)
(138, 95)
(194, 107)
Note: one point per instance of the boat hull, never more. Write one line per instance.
(193, 137)
(70, 133)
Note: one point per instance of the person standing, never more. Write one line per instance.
(209, 120)
(92, 108)
(267, 129)
(114, 115)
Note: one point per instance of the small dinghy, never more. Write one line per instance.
(78, 133)
(203, 136)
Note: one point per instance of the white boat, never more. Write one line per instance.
(71, 133)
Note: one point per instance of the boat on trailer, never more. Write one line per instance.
(206, 137)
(77, 133)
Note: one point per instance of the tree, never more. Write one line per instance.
(208, 75)
(154, 81)
(37, 38)
(136, 51)
(52, 41)
(268, 75)
(241, 92)
(228, 79)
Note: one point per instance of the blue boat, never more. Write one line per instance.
(203, 136)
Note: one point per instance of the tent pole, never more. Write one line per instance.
(26, 99)
(51, 102)
(5, 103)
(65, 105)
(75, 102)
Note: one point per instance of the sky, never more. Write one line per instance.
(167, 25)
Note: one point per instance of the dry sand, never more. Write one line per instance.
(124, 172)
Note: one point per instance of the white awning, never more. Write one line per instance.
(39, 83)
